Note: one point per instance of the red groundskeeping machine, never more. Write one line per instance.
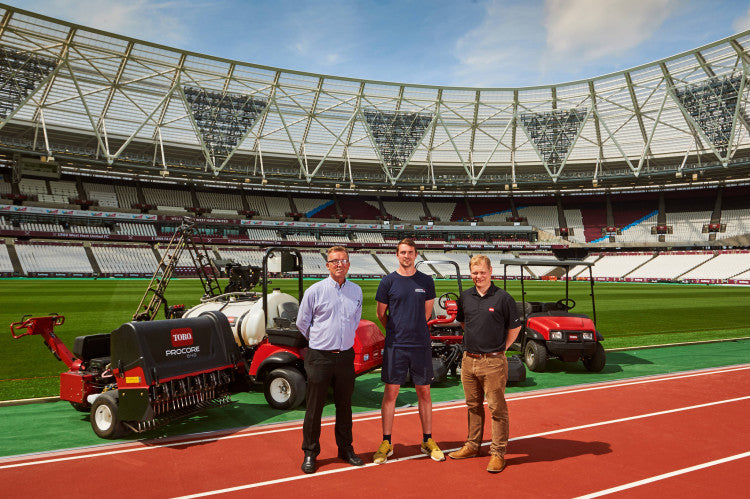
(148, 372)
(550, 330)
(447, 335)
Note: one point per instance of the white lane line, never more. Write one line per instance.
(664, 476)
(524, 437)
(297, 425)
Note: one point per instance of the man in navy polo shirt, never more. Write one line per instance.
(490, 321)
(405, 300)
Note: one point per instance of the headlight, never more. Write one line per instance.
(556, 335)
(588, 336)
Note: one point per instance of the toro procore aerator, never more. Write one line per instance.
(145, 374)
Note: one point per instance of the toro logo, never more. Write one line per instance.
(182, 337)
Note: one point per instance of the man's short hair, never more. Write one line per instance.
(479, 260)
(408, 242)
(333, 249)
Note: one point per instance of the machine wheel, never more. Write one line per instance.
(535, 356)
(596, 362)
(81, 407)
(284, 388)
(104, 419)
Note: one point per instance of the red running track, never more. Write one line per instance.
(679, 435)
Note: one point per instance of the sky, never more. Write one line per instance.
(464, 43)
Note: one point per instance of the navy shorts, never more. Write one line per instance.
(398, 361)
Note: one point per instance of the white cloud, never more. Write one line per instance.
(503, 49)
(742, 23)
(588, 30)
(155, 21)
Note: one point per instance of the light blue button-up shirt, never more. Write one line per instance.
(329, 314)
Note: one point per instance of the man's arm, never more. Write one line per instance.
(511, 336)
(382, 313)
(428, 309)
(304, 314)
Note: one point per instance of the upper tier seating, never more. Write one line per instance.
(403, 210)
(220, 201)
(103, 193)
(443, 211)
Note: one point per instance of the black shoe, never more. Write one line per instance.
(308, 465)
(350, 457)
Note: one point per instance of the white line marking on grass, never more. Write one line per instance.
(416, 456)
(152, 445)
(664, 476)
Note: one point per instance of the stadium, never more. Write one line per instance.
(107, 143)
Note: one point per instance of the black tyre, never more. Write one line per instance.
(595, 363)
(81, 407)
(104, 419)
(535, 356)
(284, 388)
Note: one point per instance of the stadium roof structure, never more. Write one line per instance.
(93, 100)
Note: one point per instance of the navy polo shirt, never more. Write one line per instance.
(486, 319)
(406, 297)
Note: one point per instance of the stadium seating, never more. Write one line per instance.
(127, 195)
(6, 266)
(136, 229)
(104, 194)
(258, 204)
(441, 211)
(363, 264)
(263, 235)
(121, 259)
(220, 203)
(369, 237)
(50, 258)
(309, 206)
(32, 187)
(616, 265)
(403, 210)
(669, 265)
(724, 265)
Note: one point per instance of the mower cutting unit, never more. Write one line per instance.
(447, 334)
(550, 329)
(145, 374)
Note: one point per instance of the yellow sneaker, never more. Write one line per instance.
(384, 452)
(431, 448)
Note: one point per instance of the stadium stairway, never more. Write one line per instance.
(14, 260)
(92, 260)
(639, 266)
(375, 257)
(701, 263)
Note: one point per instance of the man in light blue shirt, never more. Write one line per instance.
(329, 314)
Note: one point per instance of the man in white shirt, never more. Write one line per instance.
(329, 314)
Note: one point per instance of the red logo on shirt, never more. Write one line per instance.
(492, 309)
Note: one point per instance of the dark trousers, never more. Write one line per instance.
(326, 369)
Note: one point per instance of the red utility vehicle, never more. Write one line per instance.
(550, 329)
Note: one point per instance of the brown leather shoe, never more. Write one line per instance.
(463, 453)
(496, 464)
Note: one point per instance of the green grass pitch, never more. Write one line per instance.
(627, 315)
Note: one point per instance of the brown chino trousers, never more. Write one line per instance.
(486, 377)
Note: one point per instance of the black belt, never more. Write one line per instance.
(334, 351)
(488, 354)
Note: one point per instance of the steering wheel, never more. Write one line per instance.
(566, 303)
(445, 297)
